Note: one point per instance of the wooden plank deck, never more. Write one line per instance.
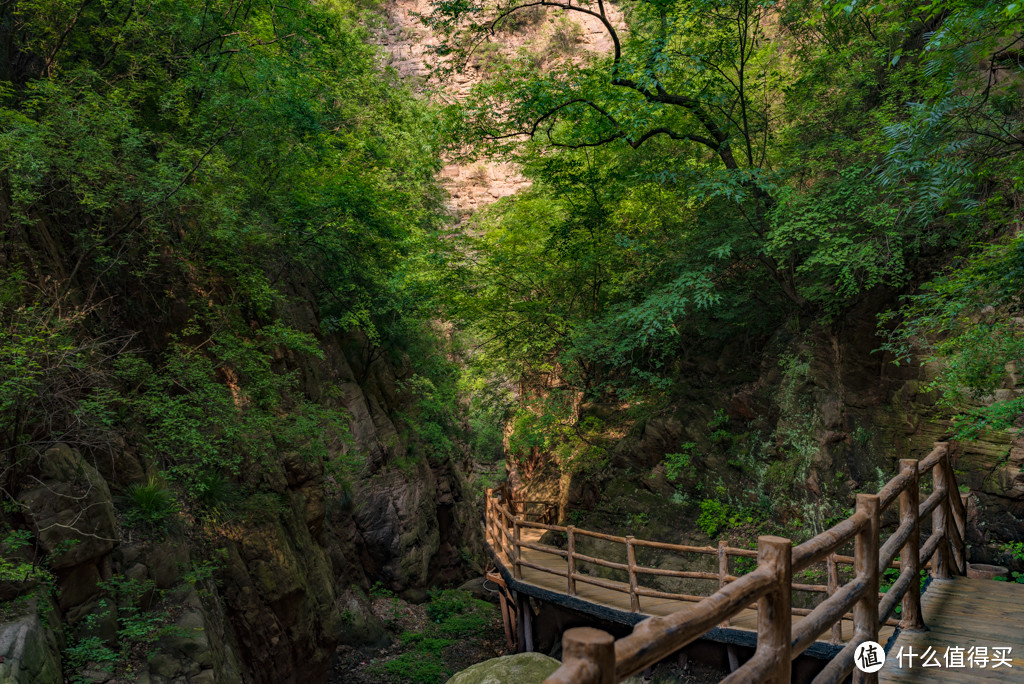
(746, 620)
(963, 613)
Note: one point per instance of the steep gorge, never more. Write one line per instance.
(135, 309)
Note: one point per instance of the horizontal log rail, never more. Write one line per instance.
(591, 656)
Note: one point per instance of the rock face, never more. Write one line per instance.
(277, 601)
(29, 651)
(523, 668)
(475, 185)
(70, 511)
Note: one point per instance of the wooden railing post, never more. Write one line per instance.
(832, 584)
(910, 559)
(517, 550)
(940, 518)
(723, 569)
(570, 533)
(775, 608)
(588, 657)
(488, 518)
(958, 515)
(865, 611)
(506, 533)
(634, 598)
(499, 530)
(524, 623)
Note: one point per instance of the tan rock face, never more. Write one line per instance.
(541, 33)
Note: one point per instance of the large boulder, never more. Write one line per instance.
(360, 627)
(71, 511)
(522, 668)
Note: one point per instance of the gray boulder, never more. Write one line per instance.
(29, 652)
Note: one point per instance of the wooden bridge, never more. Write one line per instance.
(650, 584)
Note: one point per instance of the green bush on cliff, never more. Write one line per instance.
(714, 517)
(13, 566)
(150, 504)
(967, 319)
(201, 178)
(211, 426)
(677, 465)
(138, 629)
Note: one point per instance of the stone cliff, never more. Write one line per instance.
(262, 595)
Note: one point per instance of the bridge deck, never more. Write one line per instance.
(963, 613)
(746, 620)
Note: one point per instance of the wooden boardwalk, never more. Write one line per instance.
(925, 531)
(746, 620)
(963, 613)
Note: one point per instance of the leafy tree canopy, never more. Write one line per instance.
(728, 164)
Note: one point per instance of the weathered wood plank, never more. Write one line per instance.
(964, 612)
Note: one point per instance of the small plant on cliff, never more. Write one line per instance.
(14, 568)
(378, 590)
(1016, 553)
(214, 490)
(717, 515)
(137, 629)
(564, 39)
(714, 515)
(150, 504)
(677, 465)
(89, 649)
(1015, 550)
(719, 426)
(640, 519)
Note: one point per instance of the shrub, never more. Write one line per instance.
(524, 18)
(448, 602)
(378, 590)
(565, 38)
(214, 490)
(678, 464)
(714, 515)
(150, 504)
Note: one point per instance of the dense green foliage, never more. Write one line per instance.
(195, 195)
(180, 182)
(730, 166)
(200, 202)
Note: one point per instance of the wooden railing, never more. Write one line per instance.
(590, 655)
(542, 511)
